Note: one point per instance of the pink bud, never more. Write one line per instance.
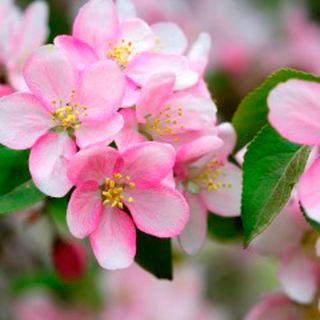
(69, 259)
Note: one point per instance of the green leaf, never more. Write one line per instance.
(20, 198)
(154, 255)
(271, 168)
(13, 169)
(56, 209)
(252, 113)
(224, 229)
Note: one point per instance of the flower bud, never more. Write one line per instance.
(69, 259)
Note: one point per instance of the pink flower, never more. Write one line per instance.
(158, 299)
(64, 108)
(109, 183)
(295, 113)
(291, 240)
(278, 307)
(210, 183)
(162, 115)
(20, 35)
(98, 33)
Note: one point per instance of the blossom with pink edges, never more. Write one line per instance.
(21, 33)
(210, 182)
(163, 115)
(110, 184)
(99, 33)
(295, 113)
(65, 109)
(294, 243)
(158, 299)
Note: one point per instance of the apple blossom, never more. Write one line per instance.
(128, 301)
(109, 183)
(163, 115)
(98, 33)
(291, 240)
(295, 104)
(21, 33)
(63, 110)
(210, 183)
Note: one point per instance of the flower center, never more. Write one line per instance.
(211, 176)
(67, 114)
(112, 190)
(121, 53)
(166, 123)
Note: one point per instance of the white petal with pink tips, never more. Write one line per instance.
(148, 163)
(225, 200)
(295, 111)
(23, 120)
(194, 234)
(160, 211)
(114, 241)
(84, 209)
(48, 163)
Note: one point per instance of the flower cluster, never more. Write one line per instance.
(120, 111)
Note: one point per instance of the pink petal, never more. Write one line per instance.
(129, 135)
(22, 120)
(186, 79)
(16, 79)
(308, 189)
(160, 211)
(148, 162)
(97, 24)
(5, 90)
(50, 75)
(275, 307)
(225, 201)
(101, 88)
(170, 38)
(295, 111)
(199, 53)
(154, 95)
(126, 9)
(198, 115)
(143, 66)
(131, 94)
(114, 242)
(298, 276)
(284, 233)
(201, 88)
(194, 234)
(77, 51)
(48, 162)
(31, 33)
(84, 209)
(101, 130)
(139, 33)
(92, 164)
(228, 134)
(197, 148)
